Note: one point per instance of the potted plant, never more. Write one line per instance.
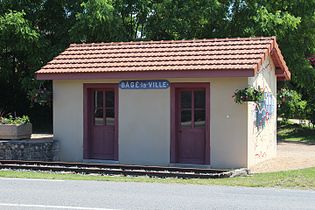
(248, 94)
(15, 127)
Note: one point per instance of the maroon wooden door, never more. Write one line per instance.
(191, 126)
(102, 125)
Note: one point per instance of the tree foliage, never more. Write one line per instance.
(291, 105)
(34, 31)
(178, 19)
(19, 43)
(96, 23)
(133, 16)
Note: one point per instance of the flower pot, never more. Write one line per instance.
(13, 132)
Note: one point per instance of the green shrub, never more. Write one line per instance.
(10, 120)
(291, 105)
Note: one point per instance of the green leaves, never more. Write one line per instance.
(10, 120)
(276, 23)
(18, 43)
(291, 104)
(32, 32)
(248, 94)
(133, 17)
(16, 32)
(177, 19)
(97, 23)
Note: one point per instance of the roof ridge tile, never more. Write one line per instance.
(178, 41)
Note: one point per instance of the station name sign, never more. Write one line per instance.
(144, 84)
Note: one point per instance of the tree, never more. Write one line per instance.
(177, 19)
(50, 20)
(19, 44)
(133, 15)
(34, 31)
(96, 23)
(291, 105)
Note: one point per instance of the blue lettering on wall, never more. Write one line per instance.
(144, 84)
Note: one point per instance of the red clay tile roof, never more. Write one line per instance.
(186, 55)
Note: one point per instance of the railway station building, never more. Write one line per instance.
(166, 102)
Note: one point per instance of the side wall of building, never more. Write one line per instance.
(68, 119)
(262, 118)
(144, 122)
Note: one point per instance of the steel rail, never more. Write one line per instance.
(115, 166)
(114, 169)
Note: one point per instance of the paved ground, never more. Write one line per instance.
(41, 136)
(290, 156)
(54, 194)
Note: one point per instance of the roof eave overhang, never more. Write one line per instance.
(147, 74)
(282, 75)
(282, 70)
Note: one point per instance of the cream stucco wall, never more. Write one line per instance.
(144, 126)
(68, 118)
(144, 122)
(262, 135)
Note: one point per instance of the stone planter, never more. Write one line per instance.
(23, 131)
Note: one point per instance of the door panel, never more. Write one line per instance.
(191, 146)
(101, 141)
(191, 126)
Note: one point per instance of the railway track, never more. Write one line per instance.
(120, 169)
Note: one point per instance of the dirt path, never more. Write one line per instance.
(290, 156)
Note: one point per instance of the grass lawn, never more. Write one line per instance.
(296, 133)
(300, 179)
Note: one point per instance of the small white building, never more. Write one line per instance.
(166, 102)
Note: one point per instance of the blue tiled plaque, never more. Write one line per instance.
(144, 84)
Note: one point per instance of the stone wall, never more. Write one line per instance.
(30, 150)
